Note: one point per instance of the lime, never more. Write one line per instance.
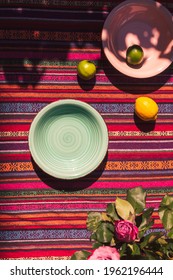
(86, 69)
(134, 55)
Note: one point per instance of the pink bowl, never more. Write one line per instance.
(145, 23)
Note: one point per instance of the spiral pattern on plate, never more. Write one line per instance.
(69, 140)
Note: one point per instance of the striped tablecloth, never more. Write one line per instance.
(41, 43)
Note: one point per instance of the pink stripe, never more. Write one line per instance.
(53, 78)
(95, 185)
(127, 185)
(59, 206)
(46, 206)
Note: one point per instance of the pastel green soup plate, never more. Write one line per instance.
(68, 139)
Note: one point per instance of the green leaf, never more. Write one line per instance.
(154, 236)
(105, 217)
(166, 212)
(146, 222)
(143, 230)
(135, 249)
(105, 232)
(167, 219)
(124, 209)
(167, 201)
(123, 249)
(93, 220)
(170, 234)
(136, 197)
(169, 249)
(111, 211)
(97, 245)
(150, 238)
(113, 242)
(93, 236)
(162, 241)
(151, 255)
(146, 217)
(80, 255)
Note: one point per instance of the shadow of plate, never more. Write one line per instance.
(70, 185)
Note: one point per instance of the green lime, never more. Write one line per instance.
(86, 69)
(134, 55)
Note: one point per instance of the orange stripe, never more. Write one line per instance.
(80, 195)
(47, 246)
(15, 121)
(157, 222)
(43, 215)
(43, 223)
(110, 165)
(53, 215)
(97, 87)
(79, 95)
(59, 215)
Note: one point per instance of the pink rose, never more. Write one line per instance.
(125, 231)
(105, 253)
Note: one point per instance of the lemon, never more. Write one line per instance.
(146, 108)
(86, 69)
(134, 55)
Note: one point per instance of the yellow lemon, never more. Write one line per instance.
(146, 108)
(86, 69)
(134, 55)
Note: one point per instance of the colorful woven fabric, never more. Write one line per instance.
(41, 43)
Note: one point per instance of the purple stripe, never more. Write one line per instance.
(105, 174)
(44, 234)
(115, 145)
(28, 107)
(141, 145)
(13, 146)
